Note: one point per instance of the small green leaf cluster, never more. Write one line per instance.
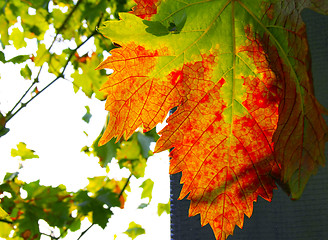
(28, 203)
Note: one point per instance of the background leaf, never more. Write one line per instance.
(134, 230)
(23, 152)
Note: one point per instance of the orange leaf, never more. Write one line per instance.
(238, 71)
(145, 8)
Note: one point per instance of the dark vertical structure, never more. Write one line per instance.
(282, 219)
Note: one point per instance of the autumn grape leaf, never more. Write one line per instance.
(239, 73)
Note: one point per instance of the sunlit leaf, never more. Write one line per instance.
(23, 152)
(18, 38)
(239, 73)
(147, 191)
(88, 81)
(163, 207)
(26, 72)
(42, 55)
(134, 230)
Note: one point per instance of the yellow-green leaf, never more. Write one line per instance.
(23, 152)
(134, 230)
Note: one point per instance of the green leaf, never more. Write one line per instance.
(4, 30)
(10, 176)
(3, 129)
(129, 156)
(136, 166)
(75, 225)
(56, 62)
(39, 3)
(129, 149)
(163, 207)
(108, 197)
(86, 117)
(18, 38)
(144, 142)
(106, 152)
(42, 55)
(147, 191)
(23, 152)
(26, 72)
(2, 57)
(19, 59)
(134, 230)
(89, 81)
(143, 205)
(86, 204)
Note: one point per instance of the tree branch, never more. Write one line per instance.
(125, 185)
(64, 23)
(36, 80)
(10, 116)
(84, 232)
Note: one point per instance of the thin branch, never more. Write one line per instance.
(49, 235)
(65, 22)
(84, 232)
(36, 80)
(125, 185)
(10, 116)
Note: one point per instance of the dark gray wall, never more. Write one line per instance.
(282, 219)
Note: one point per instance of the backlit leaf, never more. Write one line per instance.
(147, 191)
(239, 73)
(163, 207)
(42, 55)
(86, 117)
(87, 81)
(23, 152)
(134, 230)
(26, 72)
(18, 38)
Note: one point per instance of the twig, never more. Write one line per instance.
(36, 80)
(64, 23)
(125, 185)
(10, 116)
(84, 232)
(49, 235)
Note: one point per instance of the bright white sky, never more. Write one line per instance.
(52, 125)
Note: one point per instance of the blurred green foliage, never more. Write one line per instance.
(69, 24)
